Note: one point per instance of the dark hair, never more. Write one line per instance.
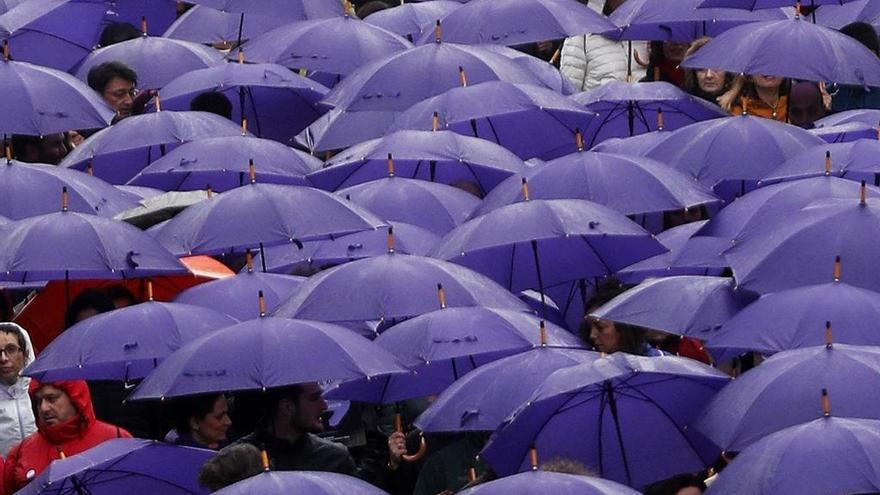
(119, 291)
(631, 337)
(566, 466)
(232, 464)
(672, 485)
(275, 395)
(197, 406)
(102, 74)
(691, 84)
(214, 102)
(864, 33)
(9, 327)
(90, 298)
(117, 32)
(5, 306)
(371, 7)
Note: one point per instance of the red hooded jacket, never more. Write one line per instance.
(81, 432)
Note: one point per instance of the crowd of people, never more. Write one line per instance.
(41, 422)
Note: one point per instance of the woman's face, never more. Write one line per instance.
(767, 82)
(211, 429)
(604, 336)
(711, 81)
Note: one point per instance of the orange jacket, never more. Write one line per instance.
(759, 108)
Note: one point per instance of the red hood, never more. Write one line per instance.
(79, 394)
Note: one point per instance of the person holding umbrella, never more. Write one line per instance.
(760, 95)
(16, 414)
(66, 425)
(708, 84)
(201, 421)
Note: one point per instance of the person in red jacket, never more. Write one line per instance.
(66, 425)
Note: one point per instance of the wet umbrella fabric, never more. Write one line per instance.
(539, 482)
(688, 254)
(96, 349)
(234, 296)
(846, 133)
(869, 116)
(410, 20)
(311, 482)
(857, 160)
(202, 24)
(129, 465)
(290, 10)
(765, 4)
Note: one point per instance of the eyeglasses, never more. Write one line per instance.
(10, 350)
(121, 93)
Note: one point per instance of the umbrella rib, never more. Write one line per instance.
(596, 253)
(127, 474)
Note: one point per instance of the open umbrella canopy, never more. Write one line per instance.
(625, 417)
(311, 482)
(206, 25)
(96, 349)
(290, 10)
(857, 160)
(276, 102)
(837, 15)
(30, 189)
(531, 121)
(765, 4)
(845, 133)
(869, 116)
(637, 145)
(157, 61)
(223, 163)
(264, 353)
(129, 465)
(515, 22)
(538, 482)
(410, 20)
(688, 255)
(118, 153)
(38, 100)
(436, 207)
(436, 156)
(775, 47)
(257, 215)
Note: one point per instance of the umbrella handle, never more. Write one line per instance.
(423, 446)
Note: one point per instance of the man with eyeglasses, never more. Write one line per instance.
(116, 83)
(16, 415)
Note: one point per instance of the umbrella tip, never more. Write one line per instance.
(6, 50)
(390, 165)
(158, 103)
(462, 77)
(89, 169)
(829, 343)
(435, 121)
(543, 335)
(525, 189)
(836, 273)
(659, 119)
(240, 56)
(8, 147)
(249, 261)
(143, 25)
(827, 163)
(262, 304)
(390, 239)
(863, 194)
(579, 139)
(252, 171)
(209, 191)
(826, 404)
(437, 32)
(65, 201)
(441, 296)
(149, 288)
(264, 458)
(244, 130)
(797, 9)
(533, 457)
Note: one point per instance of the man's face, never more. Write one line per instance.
(53, 405)
(119, 94)
(309, 406)
(11, 358)
(711, 80)
(53, 149)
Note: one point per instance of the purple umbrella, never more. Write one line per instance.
(124, 465)
(796, 318)
(311, 482)
(765, 4)
(223, 164)
(290, 10)
(775, 47)
(437, 156)
(157, 61)
(210, 26)
(118, 153)
(632, 146)
(257, 215)
(481, 400)
(392, 287)
(540, 482)
(539, 243)
(776, 201)
(864, 115)
(679, 21)
(6, 5)
(30, 189)
(40, 31)
(625, 417)
(626, 109)
(688, 255)
(732, 153)
(629, 185)
(159, 14)
(269, 352)
(515, 22)
(436, 207)
(337, 45)
(547, 73)
(782, 392)
(69, 245)
(38, 100)
(857, 160)
(441, 346)
(410, 20)
(408, 239)
(234, 296)
(98, 349)
(845, 133)
(689, 306)
(837, 16)
(826, 455)
(526, 119)
(277, 103)
(799, 249)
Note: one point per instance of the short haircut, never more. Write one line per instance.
(671, 486)
(197, 406)
(102, 74)
(117, 32)
(232, 464)
(864, 33)
(16, 330)
(214, 102)
(89, 298)
(370, 8)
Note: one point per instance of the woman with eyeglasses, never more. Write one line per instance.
(16, 414)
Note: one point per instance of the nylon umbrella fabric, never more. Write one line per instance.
(436, 156)
(826, 455)
(262, 214)
(118, 153)
(157, 61)
(833, 56)
(836, 16)
(276, 103)
(537, 482)
(410, 20)
(223, 164)
(515, 22)
(311, 482)
(291, 10)
(623, 416)
(96, 349)
(540, 243)
(129, 465)
(765, 4)
(846, 133)
(39, 100)
(688, 254)
(528, 120)
(202, 24)
(235, 295)
(266, 347)
(869, 116)
(436, 207)
(637, 145)
(855, 161)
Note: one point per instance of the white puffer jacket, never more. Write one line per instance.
(16, 415)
